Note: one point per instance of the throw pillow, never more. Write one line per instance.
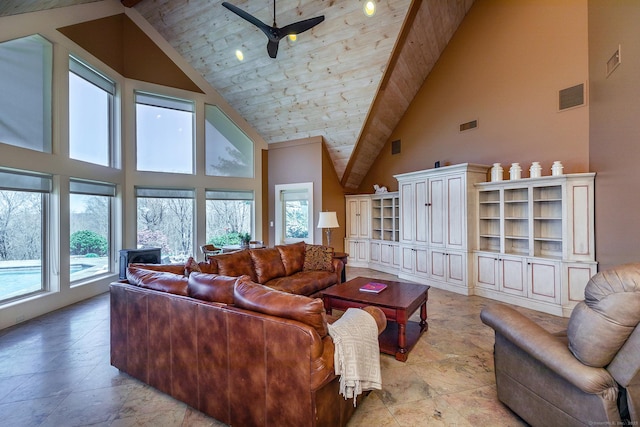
(158, 280)
(318, 257)
(262, 299)
(211, 287)
(190, 266)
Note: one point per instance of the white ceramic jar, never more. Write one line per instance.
(535, 171)
(496, 172)
(557, 168)
(516, 171)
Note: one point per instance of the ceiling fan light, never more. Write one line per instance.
(293, 37)
(239, 55)
(369, 8)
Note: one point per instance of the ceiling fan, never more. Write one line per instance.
(273, 33)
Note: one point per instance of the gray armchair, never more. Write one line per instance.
(589, 375)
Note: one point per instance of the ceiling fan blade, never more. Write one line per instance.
(301, 26)
(250, 18)
(272, 48)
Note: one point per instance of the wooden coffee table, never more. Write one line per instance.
(398, 302)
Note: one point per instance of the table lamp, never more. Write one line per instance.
(328, 220)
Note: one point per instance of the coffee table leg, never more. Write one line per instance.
(401, 354)
(423, 316)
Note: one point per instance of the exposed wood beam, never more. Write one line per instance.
(406, 28)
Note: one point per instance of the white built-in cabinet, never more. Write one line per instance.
(536, 241)
(373, 230)
(528, 242)
(438, 225)
(358, 230)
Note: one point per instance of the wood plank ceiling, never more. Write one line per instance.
(349, 79)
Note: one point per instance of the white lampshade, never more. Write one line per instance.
(328, 220)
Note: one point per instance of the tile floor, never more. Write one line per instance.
(54, 371)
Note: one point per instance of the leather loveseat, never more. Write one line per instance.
(587, 376)
(241, 352)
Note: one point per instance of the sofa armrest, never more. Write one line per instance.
(547, 349)
(338, 266)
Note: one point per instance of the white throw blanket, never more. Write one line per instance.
(357, 353)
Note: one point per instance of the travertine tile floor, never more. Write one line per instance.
(54, 371)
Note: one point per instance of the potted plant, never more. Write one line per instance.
(244, 239)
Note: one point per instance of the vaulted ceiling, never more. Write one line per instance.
(349, 79)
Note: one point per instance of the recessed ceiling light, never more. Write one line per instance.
(369, 8)
(293, 37)
(239, 55)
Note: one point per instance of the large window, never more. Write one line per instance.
(90, 223)
(294, 213)
(164, 133)
(23, 208)
(229, 214)
(165, 221)
(229, 152)
(91, 106)
(25, 93)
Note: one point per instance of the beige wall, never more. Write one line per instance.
(304, 160)
(503, 67)
(614, 132)
(333, 200)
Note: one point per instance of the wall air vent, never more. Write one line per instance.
(614, 61)
(571, 97)
(395, 147)
(469, 125)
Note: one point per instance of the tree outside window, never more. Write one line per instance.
(23, 202)
(229, 214)
(165, 221)
(90, 226)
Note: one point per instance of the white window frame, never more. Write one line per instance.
(169, 103)
(93, 188)
(95, 77)
(280, 189)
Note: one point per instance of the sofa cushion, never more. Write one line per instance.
(158, 280)
(211, 287)
(169, 268)
(259, 298)
(303, 282)
(234, 264)
(318, 257)
(267, 264)
(292, 257)
(190, 266)
(208, 267)
(601, 324)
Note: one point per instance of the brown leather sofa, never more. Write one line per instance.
(296, 268)
(241, 352)
(589, 375)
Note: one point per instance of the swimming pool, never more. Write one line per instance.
(15, 281)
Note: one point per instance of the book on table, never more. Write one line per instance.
(373, 287)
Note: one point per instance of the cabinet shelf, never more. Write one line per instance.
(385, 211)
